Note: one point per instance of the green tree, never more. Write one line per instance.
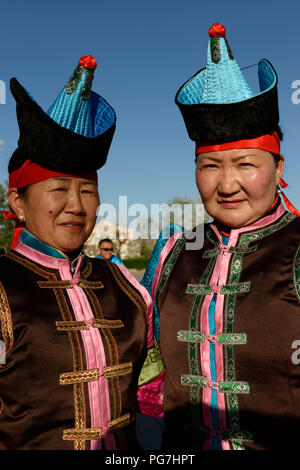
(6, 226)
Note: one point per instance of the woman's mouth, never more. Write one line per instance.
(72, 225)
(231, 204)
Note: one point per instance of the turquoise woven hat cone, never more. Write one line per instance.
(218, 105)
(75, 108)
(222, 80)
(74, 135)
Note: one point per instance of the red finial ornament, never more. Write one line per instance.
(217, 31)
(88, 62)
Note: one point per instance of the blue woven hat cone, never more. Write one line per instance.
(78, 109)
(222, 80)
(218, 105)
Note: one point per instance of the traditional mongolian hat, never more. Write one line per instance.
(72, 137)
(220, 110)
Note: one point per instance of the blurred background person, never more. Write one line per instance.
(105, 250)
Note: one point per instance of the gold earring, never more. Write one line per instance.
(21, 218)
(278, 190)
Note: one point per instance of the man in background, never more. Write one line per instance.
(105, 250)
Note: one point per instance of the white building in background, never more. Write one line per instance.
(122, 238)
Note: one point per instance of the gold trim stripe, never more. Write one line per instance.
(119, 422)
(6, 321)
(55, 284)
(91, 285)
(83, 325)
(71, 325)
(118, 369)
(108, 323)
(82, 434)
(69, 378)
(95, 433)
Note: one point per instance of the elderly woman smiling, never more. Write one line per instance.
(227, 315)
(74, 328)
(58, 211)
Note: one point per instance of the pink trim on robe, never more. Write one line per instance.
(164, 253)
(148, 301)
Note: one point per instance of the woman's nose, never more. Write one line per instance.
(228, 182)
(74, 203)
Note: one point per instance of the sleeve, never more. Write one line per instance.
(151, 270)
(151, 378)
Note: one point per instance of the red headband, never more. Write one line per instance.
(30, 173)
(268, 142)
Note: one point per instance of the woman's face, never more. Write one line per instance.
(60, 211)
(237, 186)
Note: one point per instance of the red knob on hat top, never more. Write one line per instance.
(217, 31)
(88, 62)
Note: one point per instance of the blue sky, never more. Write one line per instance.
(145, 50)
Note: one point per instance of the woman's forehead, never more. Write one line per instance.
(71, 180)
(233, 154)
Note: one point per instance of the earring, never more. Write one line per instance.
(21, 218)
(278, 190)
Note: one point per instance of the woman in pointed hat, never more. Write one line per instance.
(74, 328)
(227, 314)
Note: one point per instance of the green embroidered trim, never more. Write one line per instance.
(296, 270)
(222, 386)
(241, 288)
(232, 249)
(191, 336)
(193, 347)
(232, 338)
(71, 85)
(265, 232)
(226, 434)
(236, 249)
(202, 289)
(222, 338)
(211, 253)
(198, 289)
(234, 387)
(189, 380)
(215, 50)
(237, 445)
(169, 266)
(212, 237)
(231, 434)
(87, 87)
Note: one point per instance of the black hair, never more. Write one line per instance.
(107, 240)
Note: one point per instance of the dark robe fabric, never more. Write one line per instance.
(44, 381)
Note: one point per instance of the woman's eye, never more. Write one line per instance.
(210, 166)
(88, 191)
(246, 164)
(60, 189)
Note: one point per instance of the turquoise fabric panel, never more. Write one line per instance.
(69, 110)
(33, 242)
(149, 275)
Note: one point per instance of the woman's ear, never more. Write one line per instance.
(279, 169)
(15, 201)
